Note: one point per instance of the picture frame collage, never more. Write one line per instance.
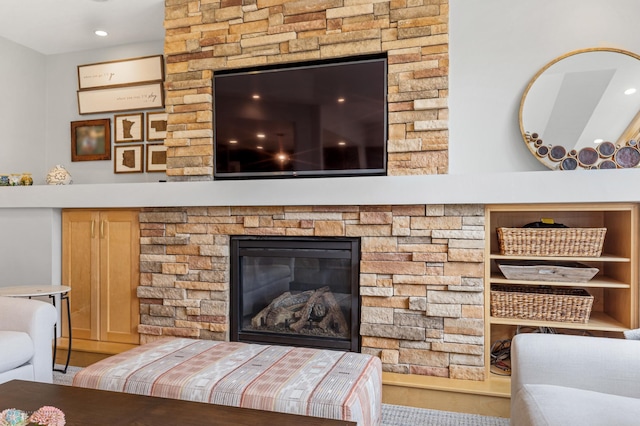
(130, 157)
(126, 87)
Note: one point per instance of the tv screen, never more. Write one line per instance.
(319, 119)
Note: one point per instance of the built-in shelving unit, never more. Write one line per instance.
(615, 287)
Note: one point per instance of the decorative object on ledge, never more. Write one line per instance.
(14, 179)
(129, 128)
(581, 111)
(122, 72)
(26, 179)
(128, 159)
(58, 175)
(91, 140)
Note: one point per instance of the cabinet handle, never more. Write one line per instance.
(93, 228)
(102, 229)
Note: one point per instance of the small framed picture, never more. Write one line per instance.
(128, 159)
(91, 140)
(129, 128)
(156, 157)
(156, 126)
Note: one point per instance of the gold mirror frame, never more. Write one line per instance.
(623, 153)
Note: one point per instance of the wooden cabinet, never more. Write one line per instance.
(615, 287)
(100, 262)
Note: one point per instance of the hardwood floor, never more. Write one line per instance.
(79, 359)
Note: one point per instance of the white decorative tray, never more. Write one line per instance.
(535, 270)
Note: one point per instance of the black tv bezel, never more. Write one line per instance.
(309, 173)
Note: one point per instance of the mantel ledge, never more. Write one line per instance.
(588, 186)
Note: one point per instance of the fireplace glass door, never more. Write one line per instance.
(295, 291)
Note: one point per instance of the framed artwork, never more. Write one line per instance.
(128, 128)
(157, 126)
(128, 159)
(122, 72)
(156, 157)
(121, 98)
(91, 140)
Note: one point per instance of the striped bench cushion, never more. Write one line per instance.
(311, 382)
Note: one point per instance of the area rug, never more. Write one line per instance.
(392, 415)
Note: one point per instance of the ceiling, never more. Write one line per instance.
(62, 26)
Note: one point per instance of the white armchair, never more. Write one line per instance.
(574, 380)
(26, 336)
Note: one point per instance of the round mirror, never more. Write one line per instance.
(582, 111)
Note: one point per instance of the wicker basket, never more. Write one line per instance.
(585, 242)
(541, 303)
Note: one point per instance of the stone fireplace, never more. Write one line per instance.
(420, 280)
(421, 266)
(296, 291)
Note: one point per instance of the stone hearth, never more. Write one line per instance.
(420, 284)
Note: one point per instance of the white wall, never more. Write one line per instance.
(29, 246)
(37, 105)
(62, 109)
(22, 108)
(496, 47)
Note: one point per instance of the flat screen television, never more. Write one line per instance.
(312, 119)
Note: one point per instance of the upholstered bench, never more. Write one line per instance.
(312, 382)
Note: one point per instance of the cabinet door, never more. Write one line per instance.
(119, 276)
(80, 271)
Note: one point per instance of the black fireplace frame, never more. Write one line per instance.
(281, 246)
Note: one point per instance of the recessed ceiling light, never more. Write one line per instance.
(342, 143)
(256, 96)
(259, 147)
(101, 33)
(341, 100)
(261, 135)
(233, 141)
(630, 91)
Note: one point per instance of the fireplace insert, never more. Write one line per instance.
(296, 291)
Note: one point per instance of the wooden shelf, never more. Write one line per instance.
(597, 282)
(597, 322)
(603, 258)
(615, 287)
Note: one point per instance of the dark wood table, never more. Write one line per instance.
(95, 407)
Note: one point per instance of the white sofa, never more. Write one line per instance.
(574, 380)
(26, 336)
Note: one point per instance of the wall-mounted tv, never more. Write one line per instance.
(311, 119)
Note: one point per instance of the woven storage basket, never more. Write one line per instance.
(541, 303)
(551, 241)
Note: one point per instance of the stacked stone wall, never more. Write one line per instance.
(204, 36)
(420, 284)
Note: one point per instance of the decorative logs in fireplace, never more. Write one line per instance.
(314, 312)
